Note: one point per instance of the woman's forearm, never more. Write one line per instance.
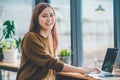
(82, 70)
(69, 68)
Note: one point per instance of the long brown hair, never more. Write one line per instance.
(35, 26)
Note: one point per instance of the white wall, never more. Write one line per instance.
(19, 12)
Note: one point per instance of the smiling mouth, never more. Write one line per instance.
(49, 24)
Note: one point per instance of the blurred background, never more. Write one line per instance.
(96, 32)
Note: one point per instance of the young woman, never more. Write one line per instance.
(38, 48)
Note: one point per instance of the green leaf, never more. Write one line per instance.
(9, 29)
(64, 53)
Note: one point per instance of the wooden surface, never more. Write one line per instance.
(85, 77)
(10, 65)
(15, 66)
(76, 75)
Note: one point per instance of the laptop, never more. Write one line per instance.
(108, 62)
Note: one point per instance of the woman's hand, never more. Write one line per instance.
(91, 70)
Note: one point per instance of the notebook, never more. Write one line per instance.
(108, 61)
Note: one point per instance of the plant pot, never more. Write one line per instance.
(10, 55)
(66, 60)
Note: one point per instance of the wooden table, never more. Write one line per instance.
(15, 66)
(72, 76)
(9, 67)
(59, 76)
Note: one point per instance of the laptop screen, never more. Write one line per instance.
(109, 59)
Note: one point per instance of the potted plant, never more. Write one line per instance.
(9, 43)
(65, 55)
(10, 51)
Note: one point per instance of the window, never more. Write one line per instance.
(63, 22)
(19, 11)
(98, 30)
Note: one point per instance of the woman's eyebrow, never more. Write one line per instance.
(52, 13)
(46, 13)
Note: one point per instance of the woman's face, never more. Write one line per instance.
(47, 19)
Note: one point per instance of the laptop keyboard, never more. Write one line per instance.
(112, 78)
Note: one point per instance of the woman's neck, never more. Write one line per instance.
(45, 33)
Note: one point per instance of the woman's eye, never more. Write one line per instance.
(44, 16)
(51, 15)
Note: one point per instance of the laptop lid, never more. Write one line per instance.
(109, 59)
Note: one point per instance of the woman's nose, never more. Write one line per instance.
(49, 19)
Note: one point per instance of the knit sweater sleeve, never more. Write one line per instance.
(34, 50)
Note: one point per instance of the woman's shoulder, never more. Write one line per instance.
(31, 36)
